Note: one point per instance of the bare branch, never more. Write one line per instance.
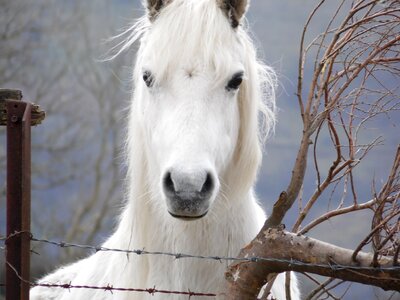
(307, 255)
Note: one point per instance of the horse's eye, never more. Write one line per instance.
(148, 78)
(235, 82)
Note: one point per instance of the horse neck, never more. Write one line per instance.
(160, 232)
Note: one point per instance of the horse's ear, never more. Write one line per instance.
(234, 9)
(154, 7)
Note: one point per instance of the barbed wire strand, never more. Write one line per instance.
(108, 287)
(333, 267)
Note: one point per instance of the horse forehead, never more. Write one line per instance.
(183, 63)
(191, 30)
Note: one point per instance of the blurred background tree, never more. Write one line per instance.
(51, 50)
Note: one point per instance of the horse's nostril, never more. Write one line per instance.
(168, 184)
(208, 185)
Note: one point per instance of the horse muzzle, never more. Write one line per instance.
(188, 193)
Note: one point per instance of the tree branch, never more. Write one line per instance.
(290, 252)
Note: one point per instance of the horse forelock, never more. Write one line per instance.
(191, 34)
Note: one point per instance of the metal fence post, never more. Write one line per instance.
(18, 199)
(17, 116)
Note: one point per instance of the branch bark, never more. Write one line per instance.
(305, 255)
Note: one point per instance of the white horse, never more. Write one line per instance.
(194, 148)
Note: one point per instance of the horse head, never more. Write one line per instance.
(196, 103)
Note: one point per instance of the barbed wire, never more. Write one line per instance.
(108, 287)
(333, 267)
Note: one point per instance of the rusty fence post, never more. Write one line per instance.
(18, 116)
